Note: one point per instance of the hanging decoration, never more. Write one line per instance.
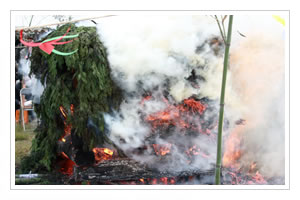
(47, 45)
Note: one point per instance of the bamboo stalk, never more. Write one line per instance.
(221, 113)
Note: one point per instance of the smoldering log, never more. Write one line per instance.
(72, 146)
(130, 170)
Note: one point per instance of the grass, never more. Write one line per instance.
(22, 144)
(33, 181)
(20, 135)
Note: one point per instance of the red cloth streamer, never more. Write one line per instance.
(45, 46)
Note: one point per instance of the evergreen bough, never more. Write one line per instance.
(82, 79)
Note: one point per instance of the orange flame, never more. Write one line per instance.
(66, 167)
(162, 149)
(195, 106)
(232, 148)
(172, 181)
(259, 178)
(102, 154)
(67, 164)
(63, 112)
(174, 115)
(252, 167)
(72, 108)
(194, 151)
(67, 127)
(164, 180)
(108, 151)
(145, 99)
(154, 181)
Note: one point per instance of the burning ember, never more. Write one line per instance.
(233, 148)
(194, 151)
(239, 174)
(258, 178)
(102, 154)
(162, 149)
(188, 117)
(151, 181)
(233, 176)
(67, 127)
(66, 164)
(176, 115)
(193, 105)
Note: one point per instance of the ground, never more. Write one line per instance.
(23, 141)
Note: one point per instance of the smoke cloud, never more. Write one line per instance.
(30, 81)
(257, 65)
(158, 54)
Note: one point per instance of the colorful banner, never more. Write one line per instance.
(64, 53)
(47, 45)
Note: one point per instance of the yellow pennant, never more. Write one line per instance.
(279, 19)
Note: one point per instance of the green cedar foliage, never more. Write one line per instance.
(82, 79)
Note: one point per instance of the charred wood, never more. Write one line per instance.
(129, 170)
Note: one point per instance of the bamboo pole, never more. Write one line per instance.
(221, 113)
(60, 23)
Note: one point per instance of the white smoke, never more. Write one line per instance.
(158, 53)
(29, 81)
(146, 44)
(24, 63)
(257, 65)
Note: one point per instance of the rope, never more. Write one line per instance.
(60, 23)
